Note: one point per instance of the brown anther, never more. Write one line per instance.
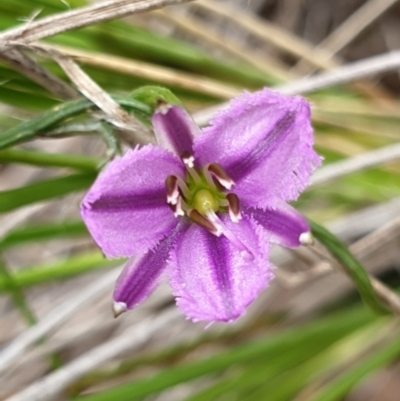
(234, 207)
(202, 221)
(220, 175)
(172, 189)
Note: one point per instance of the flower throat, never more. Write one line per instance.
(202, 195)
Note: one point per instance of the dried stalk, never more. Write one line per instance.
(55, 318)
(356, 163)
(152, 72)
(20, 62)
(76, 19)
(349, 30)
(341, 75)
(50, 386)
(355, 25)
(390, 298)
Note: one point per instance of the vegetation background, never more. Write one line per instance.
(309, 336)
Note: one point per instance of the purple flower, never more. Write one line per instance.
(205, 207)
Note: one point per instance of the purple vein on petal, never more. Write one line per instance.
(211, 278)
(250, 161)
(126, 209)
(284, 224)
(130, 201)
(218, 250)
(175, 129)
(141, 274)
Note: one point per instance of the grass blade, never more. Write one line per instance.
(351, 266)
(44, 190)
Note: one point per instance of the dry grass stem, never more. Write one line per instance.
(339, 76)
(20, 62)
(212, 38)
(114, 113)
(55, 318)
(389, 297)
(80, 18)
(349, 30)
(356, 163)
(50, 386)
(355, 25)
(271, 33)
(162, 75)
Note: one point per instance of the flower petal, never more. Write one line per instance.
(284, 224)
(211, 278)
(141, 275)
(264, 142)
(126, 210)
(175, 130)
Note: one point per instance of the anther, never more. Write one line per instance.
(220, 175)
(202, 221)
(172, 189)
(188, 159)
(178, 208)
(234, 207)
(242, 248)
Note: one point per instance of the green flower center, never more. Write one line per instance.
(204, 196)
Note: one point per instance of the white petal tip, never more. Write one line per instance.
(306, 239)
(119, 308)
(163, 108)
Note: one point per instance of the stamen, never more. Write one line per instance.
(202, 221)
(234, 207)
(178, 208)
(231, 237)
(194, 174)
(171, 187)
(220, 175)
(183, 187)
(209, 179)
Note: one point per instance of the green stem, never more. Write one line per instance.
(35, 158)
(17, 295)
(53, 271)
(351, 266)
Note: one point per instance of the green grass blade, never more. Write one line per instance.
(352, 267)
(28, 130)
(269, 349)
(338, 388)
(44, 190)
(73, 266)
(43, 232)
(17, 295)
(42, 159)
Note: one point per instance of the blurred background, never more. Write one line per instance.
(307, 337)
